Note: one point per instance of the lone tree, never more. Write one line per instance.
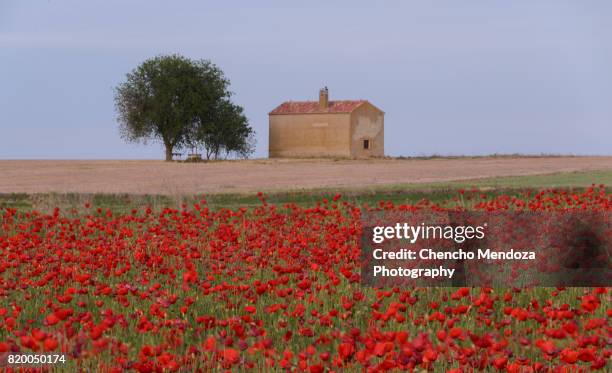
(176, 100)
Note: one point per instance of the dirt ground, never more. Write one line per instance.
(157, 177)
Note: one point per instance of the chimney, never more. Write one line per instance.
(323, 99)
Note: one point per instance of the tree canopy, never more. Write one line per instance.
(227, 132)
(182, 102)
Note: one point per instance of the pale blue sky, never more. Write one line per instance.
(454, 77)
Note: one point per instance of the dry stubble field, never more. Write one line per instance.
(158, 177)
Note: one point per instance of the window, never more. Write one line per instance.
(366, 144)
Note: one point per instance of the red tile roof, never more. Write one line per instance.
(312, 107)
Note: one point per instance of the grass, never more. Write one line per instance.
(396, 193)
(494, 156)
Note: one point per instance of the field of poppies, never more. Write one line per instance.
(274, 288)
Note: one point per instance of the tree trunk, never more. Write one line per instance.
(168, 152)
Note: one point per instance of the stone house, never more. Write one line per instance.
(324, 128)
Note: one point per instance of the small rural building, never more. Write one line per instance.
(324, 128)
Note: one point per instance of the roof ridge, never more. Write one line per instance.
(312, 107)
(343, 100)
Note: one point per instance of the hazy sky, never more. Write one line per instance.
(454, 77)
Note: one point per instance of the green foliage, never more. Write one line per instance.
(227, 132)
(175, 100)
